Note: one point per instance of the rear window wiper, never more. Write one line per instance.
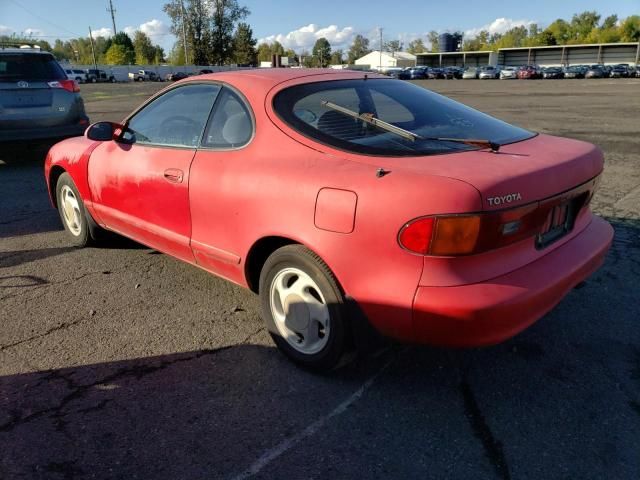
(370, 119)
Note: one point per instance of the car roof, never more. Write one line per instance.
(270, 77)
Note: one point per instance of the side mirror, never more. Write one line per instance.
(101, 131)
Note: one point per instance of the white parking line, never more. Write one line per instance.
(288, 443)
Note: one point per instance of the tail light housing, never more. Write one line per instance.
(469, 234)
(68, 85)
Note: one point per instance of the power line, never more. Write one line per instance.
(43, 19)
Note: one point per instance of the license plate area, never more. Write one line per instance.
(560, 221)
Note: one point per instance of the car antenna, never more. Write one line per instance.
(381, 172)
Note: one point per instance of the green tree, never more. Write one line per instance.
(610, 22)
(209, 27)
(264, 52)
(630, 29)
(560, 31)
(226, 14)
(124, 40)
(582, 24)
(434, 40)
(244, 45)
(359, 48)
(117, 55)
(416, 46)
(176, 56)
(144, 49)
(393, 46)
(322, 52)
(337, 57)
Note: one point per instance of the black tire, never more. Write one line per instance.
(79, 233)
(338, 348)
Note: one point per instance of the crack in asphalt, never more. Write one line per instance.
(62, 326)
(58, 412)
(492, 446)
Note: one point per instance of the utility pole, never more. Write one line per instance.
(380, 60)
(113, 16)
(93, 50)
(184, 33)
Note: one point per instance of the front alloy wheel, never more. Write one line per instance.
(72, 212)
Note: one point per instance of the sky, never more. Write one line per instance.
(297, 24)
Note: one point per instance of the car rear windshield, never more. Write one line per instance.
(29, 66)
(402, 104)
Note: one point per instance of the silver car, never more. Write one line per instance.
(469, 73)
(37, 100)
(509, 73)
(489, 72)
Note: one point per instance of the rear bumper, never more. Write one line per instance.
(43, 133)
(489, 312)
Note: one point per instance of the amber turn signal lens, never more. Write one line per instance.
(455, 235)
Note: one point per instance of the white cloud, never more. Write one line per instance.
(32, 32)
(499, 25)
(156, 30)
(102, 32)
(4, 30)
(305, 37)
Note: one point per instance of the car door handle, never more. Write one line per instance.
(174, 175)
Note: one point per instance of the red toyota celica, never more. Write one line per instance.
(333, 195)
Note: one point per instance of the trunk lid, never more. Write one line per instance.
(520, 173)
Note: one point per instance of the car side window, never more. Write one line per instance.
(230, 125)
(176, 118)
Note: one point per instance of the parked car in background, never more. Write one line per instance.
(575, 71)
(418, 73)
(99, 76)
(173, 77)
(622, 70)
(78, 75)
(553, 73)
(205, 71)
(509, 73)
(436, 73)
(470, 73)
(637, 71)
(402, 74)
(431, 239)
(595, 71)
(529, 72)
(453, 72)
(488, 72)
(144, 76)
(37, 99)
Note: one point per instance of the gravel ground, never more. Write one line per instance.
(121, 363)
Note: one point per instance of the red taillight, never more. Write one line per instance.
(68, 85)
(450, 235)
(468, 234)
(416, 236)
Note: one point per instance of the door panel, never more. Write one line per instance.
(140, 184)
(133, 195)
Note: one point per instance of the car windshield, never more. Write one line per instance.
(29, 66)
(427, 115)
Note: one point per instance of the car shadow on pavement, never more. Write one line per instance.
(20, 257)
(560, 400)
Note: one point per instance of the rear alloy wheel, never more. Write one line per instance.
(72, 211)
(304, 308)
